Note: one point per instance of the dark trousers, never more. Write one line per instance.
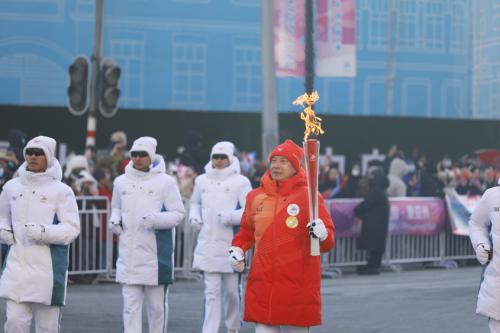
(373, 264)
(374, 259)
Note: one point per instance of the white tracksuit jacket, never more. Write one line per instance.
(486, 214)
(37, 271)
(145, 256)
(218, 190)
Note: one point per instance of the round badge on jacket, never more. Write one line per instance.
(292, 222)
(293, 209)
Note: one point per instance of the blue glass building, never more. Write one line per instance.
(437, 58)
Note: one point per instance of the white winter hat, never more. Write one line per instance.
(47, 144)
(147, 144)
(76, 162)
(84, 177)
(223, 148)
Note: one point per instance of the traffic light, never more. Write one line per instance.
(78, 90)
(108, 88)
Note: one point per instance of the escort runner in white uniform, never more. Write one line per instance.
(216, 207)
(486, 217)
(38, 220)
(145, 208)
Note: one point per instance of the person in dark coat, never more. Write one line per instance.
(374, 213)
(430, 186)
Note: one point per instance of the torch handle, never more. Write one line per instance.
(314, 241)
(314, 246)
(311, 154)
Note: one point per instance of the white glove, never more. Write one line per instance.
(237, 259)
(7, 237)
(116, 227)
(317, 229)
(483, 253)
(224, 218)
(34, 231)
(196, 223)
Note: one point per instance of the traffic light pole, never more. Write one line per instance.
(270, 127)
(95, 63)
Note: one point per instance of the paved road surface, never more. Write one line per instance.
(415, 301)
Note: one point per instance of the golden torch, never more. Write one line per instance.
(311, 154)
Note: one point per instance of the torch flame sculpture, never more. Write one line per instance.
(311, 154)
(313, 123)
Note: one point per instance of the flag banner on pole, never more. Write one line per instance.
(460, 208)
(334, 38)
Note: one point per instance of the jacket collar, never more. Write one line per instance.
(53, 172)
(282, 187)
(222, 174)
(157, 167)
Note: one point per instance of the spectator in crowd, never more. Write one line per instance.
(374, 214)
(216, 207)
(185, 177)
(392, 153)
(84, 185)
(34, 278)
(475, 182)
(397, 170)
(276, 221)
(193, 153)
(462, 186)
(8, 167)
(146, 206)
(17, 140)
(430, 186)
(90, 155)
(351, 187)
(260, 169)
(331, 187)
(490, 179)
(75, 165)
(485, 219)
(117, 159)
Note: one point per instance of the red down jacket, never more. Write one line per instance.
(283, 286)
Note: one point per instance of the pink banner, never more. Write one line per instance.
(409, 216)
(289, 31)
(335, 37)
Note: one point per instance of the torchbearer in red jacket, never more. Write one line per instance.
(283, 287)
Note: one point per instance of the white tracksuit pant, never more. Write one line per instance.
(494, 326)
(19, 316)
(221, 290)
(261, 328)
(156, 308)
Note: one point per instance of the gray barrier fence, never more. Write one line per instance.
(95, 251)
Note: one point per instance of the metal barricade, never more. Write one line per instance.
(344, 254)
(185, 241)
(457, 247)
(95, 251)
(91, 253)
(403, 249)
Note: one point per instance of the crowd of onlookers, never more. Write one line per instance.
(93, 172)
(411, 176)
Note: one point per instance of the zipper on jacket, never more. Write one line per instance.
(273, 247)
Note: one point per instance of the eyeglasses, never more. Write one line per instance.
(34, 151)
(139, 153)
(219, 157)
